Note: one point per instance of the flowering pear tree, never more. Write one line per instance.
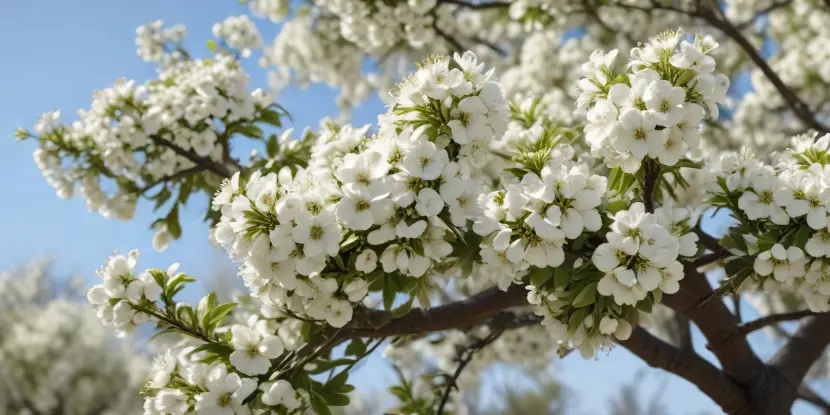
(55, 356)
(536, 185)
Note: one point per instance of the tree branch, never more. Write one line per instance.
(799, 107)
(804, 347)
(472, 311)
(709, 379)
(710, 258)
(456, 46)
(464, 358)
(178, 175)
(762, 322)
(651, 173)
(478, 6)
(801, 110)
(708, 241)
(205, 163)
(809, 395)
(766, 10)
(718, 324)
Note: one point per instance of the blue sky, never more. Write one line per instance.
(59, 52)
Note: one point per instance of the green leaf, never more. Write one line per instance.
(172, 222)
(271, 146)
(305, 331)
(517, 172)
(646, 304)
(326, 365)
(685, 77)
(621, 79)
(417, 246)
(539, 276)
(250, 131)
(561, 276)
(356, 348)
(404, 308)
(318, 403)
(161, 198)
(388, 292)
(586, 296)
(801, 236)
(177, 284)
(577, 318)
(348, 242)
(159, 276)
(206, 305)
(186, 190)
(340, 264)
(739, 265)
(271, 117)
(211, 45)
(334, 384)
(337, 399)
(215, 316)
(658, 296)
(215, 348)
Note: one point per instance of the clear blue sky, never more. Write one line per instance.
(59, 52)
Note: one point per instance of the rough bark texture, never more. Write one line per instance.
(745, 385)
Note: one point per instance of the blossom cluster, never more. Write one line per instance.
(156, 43)
(655, 110)
(136, 137)
(783, 212)
(382, 204)
(238, 33)
(631, 270)
(310, 49)
(641, 254)
(54, 354)
(273, 10)
(529, 221)
(209, 366)
(380, 26)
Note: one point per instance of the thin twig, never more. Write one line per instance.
(465, 357)
(710, 258)
(172, 177)
(652, 172)
(206, 163)
(801, 110)
(478, 6)
(710, 242)
(750, 326)
(456, 46)
(736, 306)
(766, 10)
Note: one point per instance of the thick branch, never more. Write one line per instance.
(762, 322)
(711, 381)
(718, 324)
(472, 311)
(802, 350)
(814, 398)
(206, 163)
